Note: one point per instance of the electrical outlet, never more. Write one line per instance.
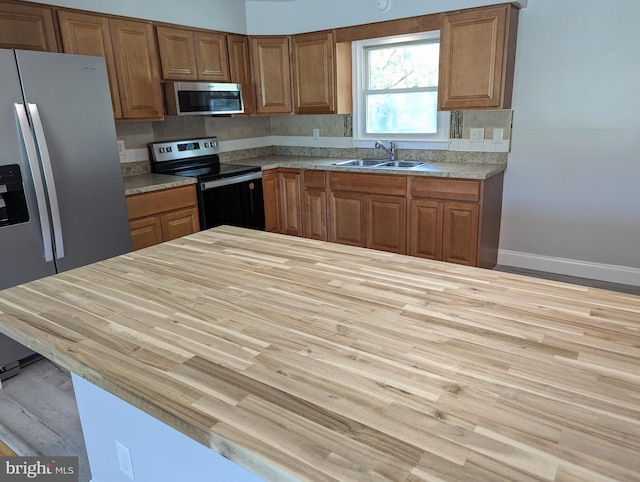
(124, 459)
(476, 134)
(316, 134)
(498, 135)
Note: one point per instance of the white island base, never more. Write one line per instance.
(158, 452)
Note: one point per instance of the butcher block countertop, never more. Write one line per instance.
(308, 360)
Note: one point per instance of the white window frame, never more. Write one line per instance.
(439, 140)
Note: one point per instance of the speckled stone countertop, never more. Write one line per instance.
(153, 182)
(460, 170)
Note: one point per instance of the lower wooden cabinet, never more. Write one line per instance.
(453, 220)
(386, 220)
(162, 215)
(314, 196)
(290, 202)
(425, 222)
(368, 210)
(347, 224)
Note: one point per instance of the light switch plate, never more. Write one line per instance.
(498, 135)
(476, 134)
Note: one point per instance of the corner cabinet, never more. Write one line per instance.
(27, 26)
(477, 57)
(272, 75)
(240, 69)
(160, 216)
(128, 48)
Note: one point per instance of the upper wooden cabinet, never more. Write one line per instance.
(314, 73)
(212, 56)
(130, 55)
(177, 54)
(193, 55)
(137, 69)
(240, 69)
(90, 35)
(27, 27)
(477, 56)
(272, 74)
(321, 74)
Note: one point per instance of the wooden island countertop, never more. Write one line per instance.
(330, 362)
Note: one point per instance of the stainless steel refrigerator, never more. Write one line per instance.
(62, 202)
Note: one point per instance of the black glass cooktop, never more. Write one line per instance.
(216, 171)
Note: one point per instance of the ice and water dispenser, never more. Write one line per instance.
(13, 202)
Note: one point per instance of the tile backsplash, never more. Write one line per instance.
(242, 137)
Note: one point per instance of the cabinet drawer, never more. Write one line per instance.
(148, 204)
(453, 189)
(314, 179)
(368, 183)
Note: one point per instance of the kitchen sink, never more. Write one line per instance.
(360, 163)
(402, 164)
(381, 163)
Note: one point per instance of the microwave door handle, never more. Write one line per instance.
(48, 178)
(36, 175)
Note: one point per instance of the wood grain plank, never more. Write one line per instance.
(332, 362)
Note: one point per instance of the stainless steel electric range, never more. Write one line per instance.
(227, 193)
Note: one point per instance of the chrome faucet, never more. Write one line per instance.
(391, 151)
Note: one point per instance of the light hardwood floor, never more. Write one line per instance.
(38, 415)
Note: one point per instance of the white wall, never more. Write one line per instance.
(225, 15)
(272, 17)
(572, 186)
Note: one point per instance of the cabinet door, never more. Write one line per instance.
(425, 232)
(290, 203)
(460, 233)
(27, 27)
(315, 214)
(240, 69)
(271, 202)
(145, 232)
(386, 223)
(177, 54)
(212, 56)
(477, 52)
(84, 34)
(314, 73)
(179, 223)
(137, 69)
(348, 218)
(272, 75)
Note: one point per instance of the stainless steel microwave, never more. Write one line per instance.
(203, 98)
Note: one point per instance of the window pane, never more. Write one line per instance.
(407, 113)
(403, 67)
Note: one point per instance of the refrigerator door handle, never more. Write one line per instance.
(48, 177)
(41, 202)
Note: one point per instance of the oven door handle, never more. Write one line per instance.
(230, 180)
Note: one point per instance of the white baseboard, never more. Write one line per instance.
(571, 267)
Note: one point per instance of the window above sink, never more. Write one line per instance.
(396, 91)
